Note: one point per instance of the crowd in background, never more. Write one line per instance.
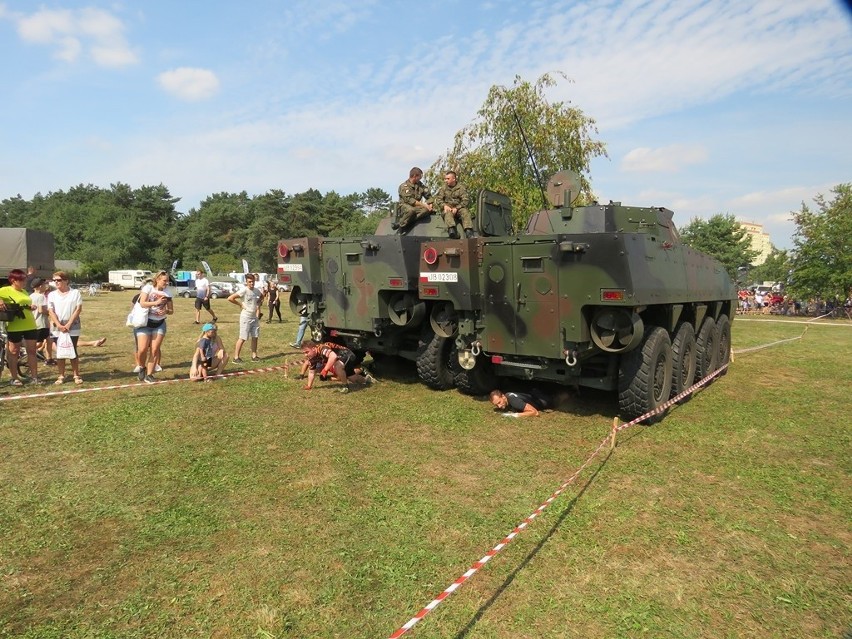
(755, 301)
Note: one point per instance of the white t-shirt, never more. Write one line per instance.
(201, 286)
(42, 320)
(155, 312)
(251, 299)
(63, 306)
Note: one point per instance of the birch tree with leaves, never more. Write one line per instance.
(493, 151)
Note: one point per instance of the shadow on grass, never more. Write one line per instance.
(464, 632)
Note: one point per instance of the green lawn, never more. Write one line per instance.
(251, 508)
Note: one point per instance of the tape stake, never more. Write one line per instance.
(612, 434)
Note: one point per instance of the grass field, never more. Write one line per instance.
(251, 508)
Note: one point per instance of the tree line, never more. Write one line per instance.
(820, 263)
(122, 227)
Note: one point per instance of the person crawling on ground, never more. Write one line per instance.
(520, 404)
(329, 358)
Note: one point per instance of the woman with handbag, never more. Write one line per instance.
(64, 306)
(158, 301)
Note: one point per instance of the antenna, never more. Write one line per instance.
(529, 153)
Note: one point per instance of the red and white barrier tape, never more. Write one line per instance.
(780, 341)
(408, 625)
(77, 391)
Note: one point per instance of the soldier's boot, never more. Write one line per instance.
(394, 225)
(453, 233)
(468, 233)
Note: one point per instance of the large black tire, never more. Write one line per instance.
(645, 376)
(723, 329)
(683, 358)
(706, 348)
(480, 380)
(434, 366)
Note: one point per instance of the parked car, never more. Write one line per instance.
(215, 292)
(227, 287)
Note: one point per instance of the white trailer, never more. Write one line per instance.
(129, 278)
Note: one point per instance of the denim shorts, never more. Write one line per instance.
(150, 331)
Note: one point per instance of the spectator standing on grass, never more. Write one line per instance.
(21, 328)
(156, 298)
(303, 325)
(520, 404)
(202, 297)
(42, 320)
(248, 298)
(31, 276)
(65, 305)
(273, 301)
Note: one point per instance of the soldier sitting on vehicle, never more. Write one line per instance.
(451, 201)
(414, 201)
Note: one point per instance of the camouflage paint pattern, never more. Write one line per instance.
(534, 300)
(362, 291)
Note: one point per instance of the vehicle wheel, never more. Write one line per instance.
(645, 376)
(683, 358)
(706, 348)
(480, 380)
(723, 330)
(433, 364)
(185, 294)
(23, 363)
(214, 296)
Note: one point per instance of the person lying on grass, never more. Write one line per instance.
(519, 404)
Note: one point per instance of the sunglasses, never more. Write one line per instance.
(58, 279)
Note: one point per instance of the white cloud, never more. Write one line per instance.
(72, 33)
(189, 84)
(670, 56)
(668, 159)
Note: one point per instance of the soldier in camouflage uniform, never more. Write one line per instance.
(414, 200)
(451, 201)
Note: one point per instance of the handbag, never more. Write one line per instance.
(65, 347)
(138, 316)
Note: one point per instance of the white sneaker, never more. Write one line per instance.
(158, 368)
(137, 369)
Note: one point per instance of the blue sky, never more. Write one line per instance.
(706, 106)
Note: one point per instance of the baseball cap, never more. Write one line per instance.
(37, 281)
(208, 327)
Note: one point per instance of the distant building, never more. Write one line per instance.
(759, 241)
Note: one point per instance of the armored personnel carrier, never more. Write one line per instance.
(362, 291)
(602, 296)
